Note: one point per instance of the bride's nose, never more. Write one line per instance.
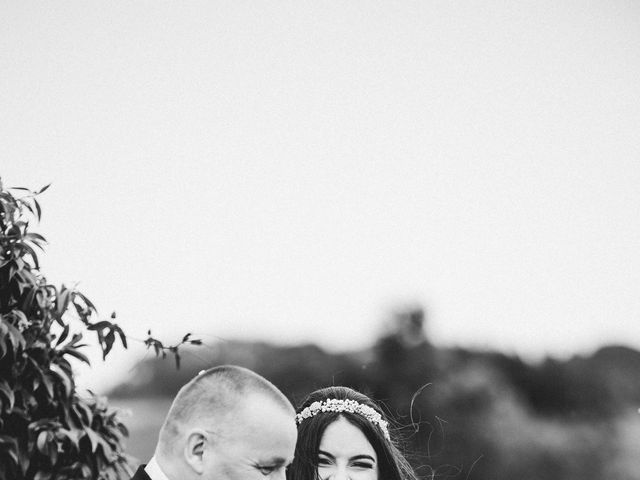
(340, 473)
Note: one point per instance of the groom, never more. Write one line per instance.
(228, 423)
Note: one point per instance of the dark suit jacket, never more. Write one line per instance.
(141, 474)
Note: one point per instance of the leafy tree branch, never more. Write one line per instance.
(48, 430)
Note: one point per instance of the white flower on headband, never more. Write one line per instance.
(350, 406)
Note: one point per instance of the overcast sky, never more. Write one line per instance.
(291, 171)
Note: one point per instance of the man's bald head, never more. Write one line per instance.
(213, 397)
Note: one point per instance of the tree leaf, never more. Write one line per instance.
(42, 442)
(38, 209)
(53, 449)
(74, 353)
(85, 413)
(15, 337)
(42, 475)
(87, 302)
(10, 444)
(48, 384)
(3, 341)
(32, 236)
(99, 325)
(108, 340)
(123, 337)
(37, 239)
(30, 251)
(93, 438)
(63, 335)
(71, 436)
(62, 301)
(75, 339)
(7, 392)
(27, 205)
(64, 378)
(28, 301)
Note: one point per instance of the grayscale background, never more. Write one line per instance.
(386, 194)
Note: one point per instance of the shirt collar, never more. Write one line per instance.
(154, 471)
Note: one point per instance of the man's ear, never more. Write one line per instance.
(194, 449)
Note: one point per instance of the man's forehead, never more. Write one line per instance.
(254, 414)
(249, 404)
(259, 403)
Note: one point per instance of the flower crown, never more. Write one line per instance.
(350, 406)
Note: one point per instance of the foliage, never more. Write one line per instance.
(47, 429)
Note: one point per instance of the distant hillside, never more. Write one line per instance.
(293, 369)
(593, 386)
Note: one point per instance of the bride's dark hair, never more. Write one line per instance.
(392, 465)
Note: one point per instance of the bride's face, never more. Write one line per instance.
(346, 454)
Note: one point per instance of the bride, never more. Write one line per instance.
(343, 435)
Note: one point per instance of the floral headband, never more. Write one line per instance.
(350, 406)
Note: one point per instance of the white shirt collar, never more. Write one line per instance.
(154, 471)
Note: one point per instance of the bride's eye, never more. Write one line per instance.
(324, 461)
(365, 465)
